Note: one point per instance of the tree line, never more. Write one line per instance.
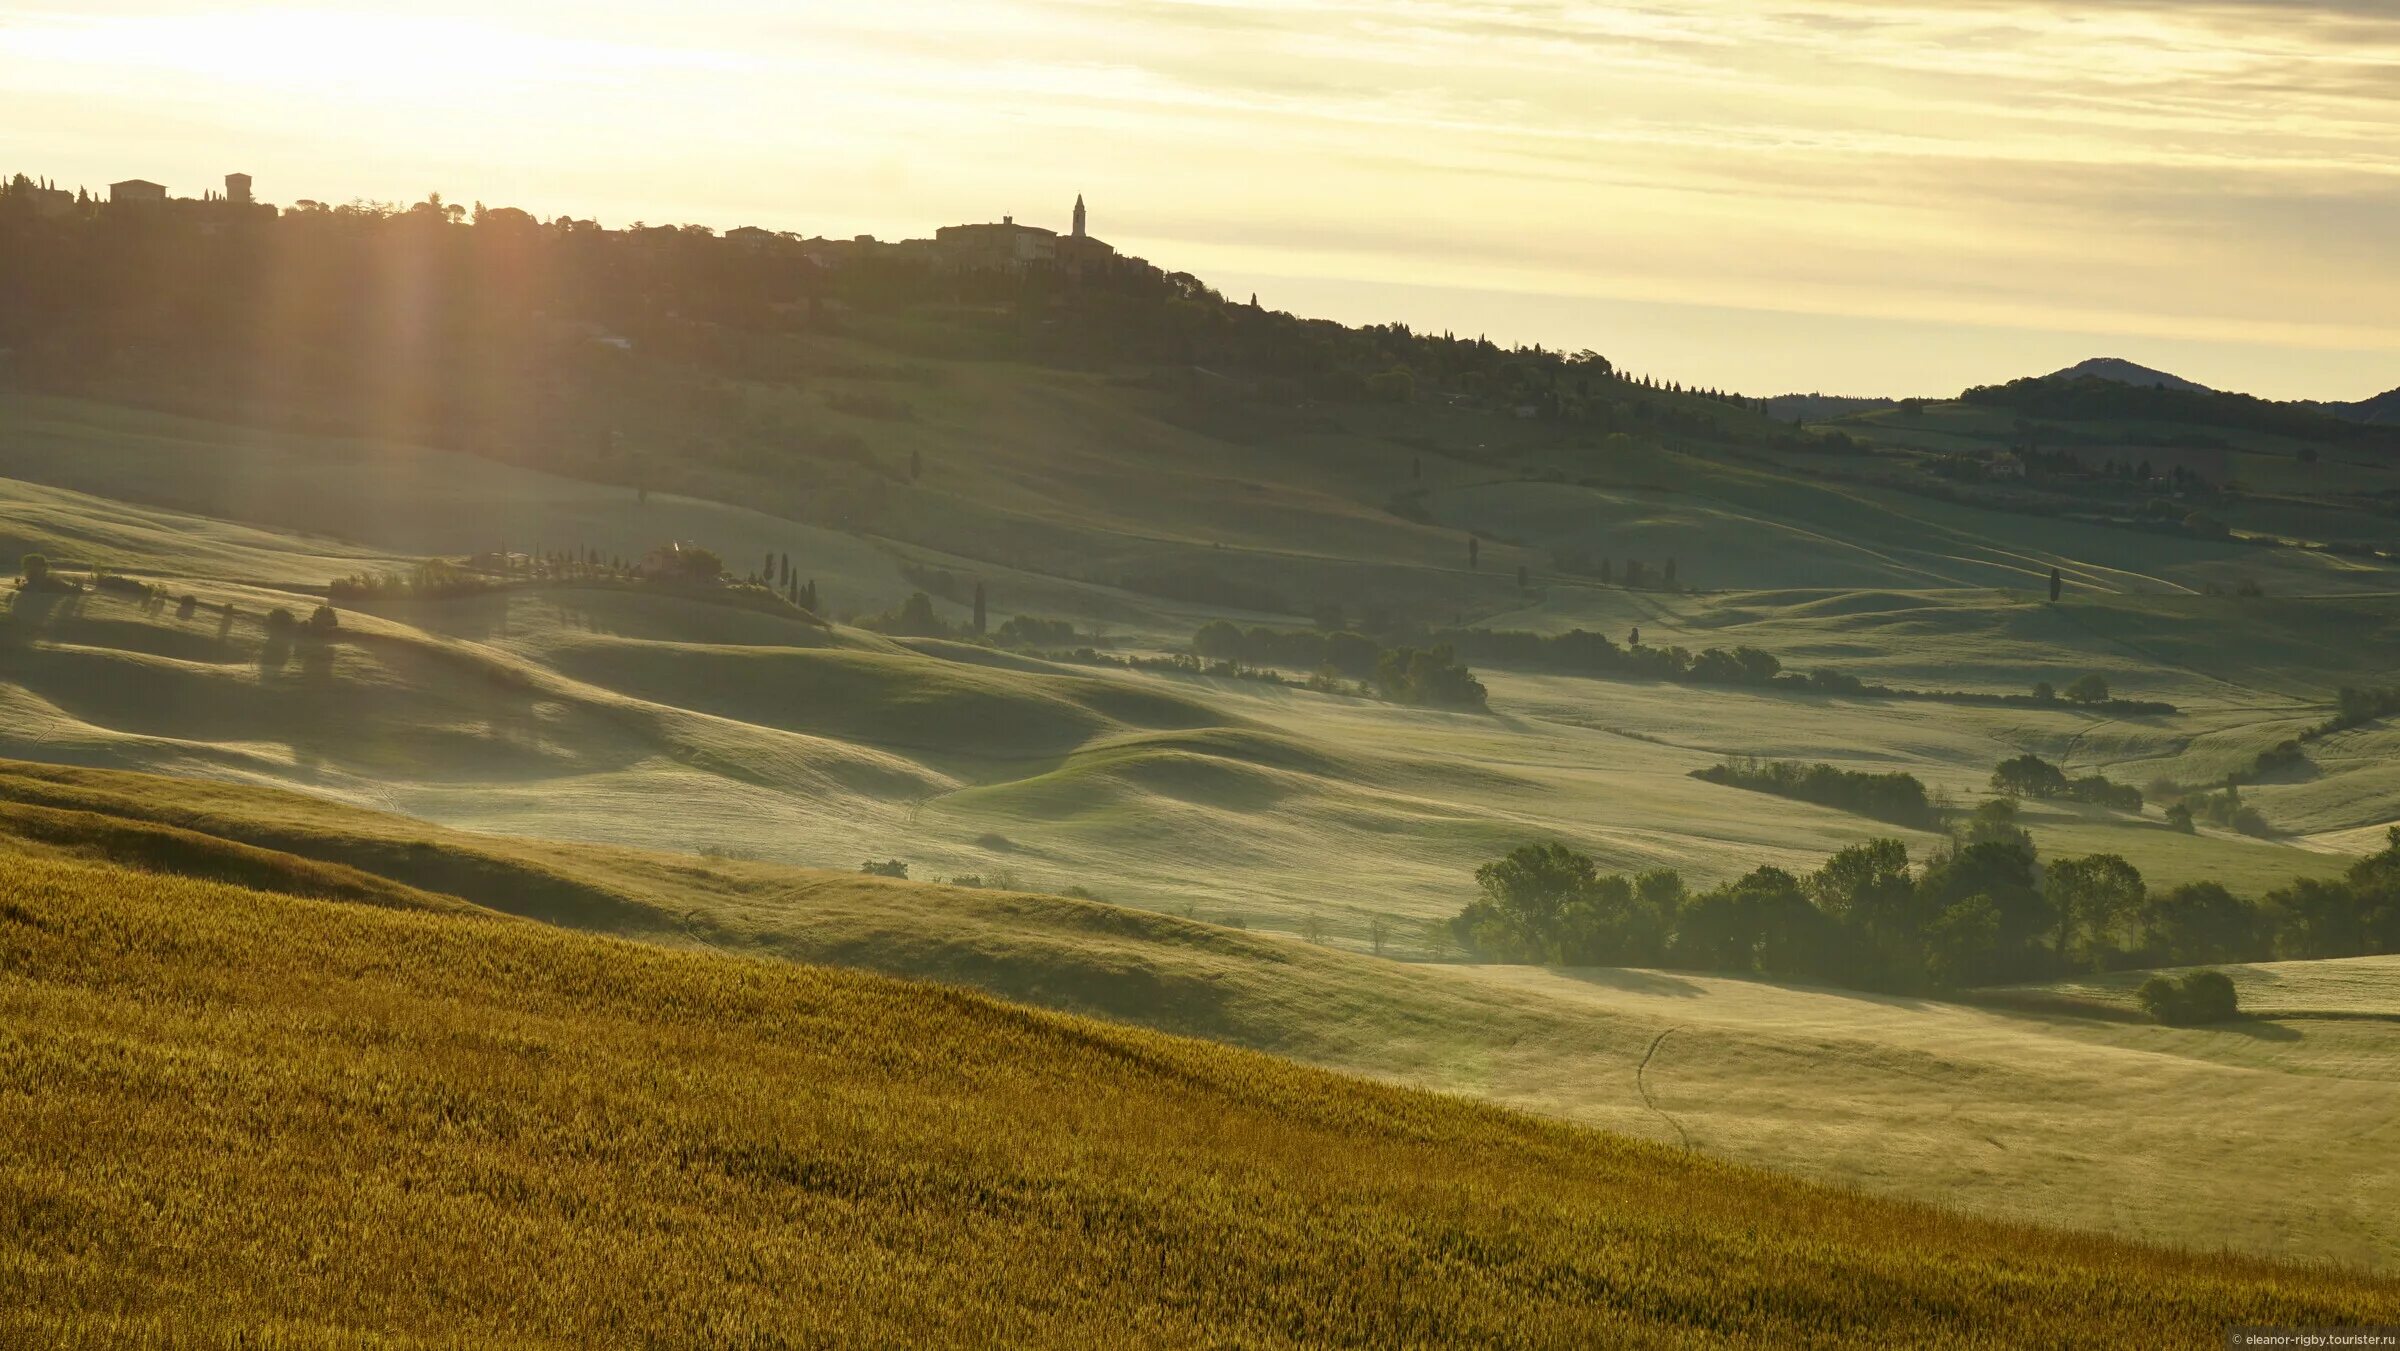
(1981, 910)
(1898, 797)
(614, 352)
(1582, 652)
(2030, 775)
(2090, 398)
(1430, 676)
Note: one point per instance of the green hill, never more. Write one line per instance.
(239, 1110)
(572, 710)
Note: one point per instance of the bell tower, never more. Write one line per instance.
(1079, 215)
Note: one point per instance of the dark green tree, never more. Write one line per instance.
(2197, 922)
(2316, 918)
(2088, 689)
(1867, 887)
(2091, 895)
(2029, 775)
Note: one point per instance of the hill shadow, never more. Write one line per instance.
(1633, 980)
(2258, 1028)
(31, 611)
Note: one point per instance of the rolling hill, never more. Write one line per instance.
(570, 710)
(2383, 409)
(239, 1108)
(1094, 832)
(2007, 1111)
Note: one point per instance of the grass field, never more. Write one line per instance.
(2250, 1138)
(570, 712)
(565, 754)
(234, 1113)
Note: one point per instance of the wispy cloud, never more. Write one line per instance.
(2133, 167)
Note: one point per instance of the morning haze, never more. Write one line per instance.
(2201, 183)
(1198, 675)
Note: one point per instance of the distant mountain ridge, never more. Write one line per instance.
(2383, 410)
(2128, 373)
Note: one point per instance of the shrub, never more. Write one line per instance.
(323, 620)
(1428, 676)
(281, 622)
(1034, 631)
(914, 619)
(2029, 775)
(683, 563)
(2198, 999)
(185, 607)
(890, 867)
(1897, 797)
(2209, 997)
(36, 568)
(2227, 809)
(433, 579)
(2104, 792)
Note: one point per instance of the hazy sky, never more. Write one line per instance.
(1871, 196)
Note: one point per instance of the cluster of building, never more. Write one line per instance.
(1008, 246)
(133, 190)
(1001, 246)
(1005, 245)
(49, 199)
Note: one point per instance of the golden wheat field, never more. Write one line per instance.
(239, 1117)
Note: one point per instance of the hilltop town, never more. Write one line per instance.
(1005, 245)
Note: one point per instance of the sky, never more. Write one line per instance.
(1845, 196)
